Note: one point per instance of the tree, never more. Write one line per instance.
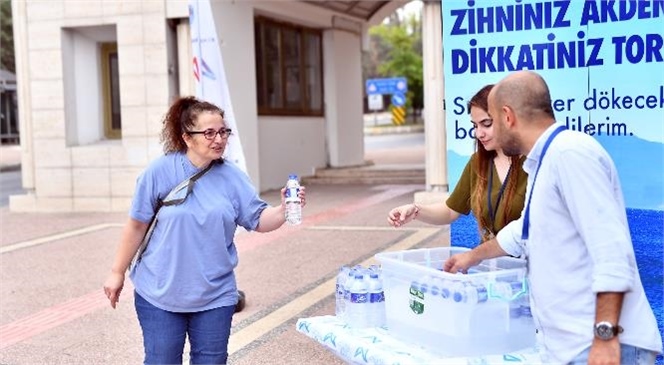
(396, 50)
(6, 37)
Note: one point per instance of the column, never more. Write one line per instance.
(434, 115)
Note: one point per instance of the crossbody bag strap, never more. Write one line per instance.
(188, 184)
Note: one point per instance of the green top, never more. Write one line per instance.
(459, 200)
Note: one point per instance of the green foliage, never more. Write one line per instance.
(6, 37)
(396, 51)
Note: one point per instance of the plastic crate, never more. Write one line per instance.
(480, 313)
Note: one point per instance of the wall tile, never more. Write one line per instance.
(119, 7)
(48, 124)
(51, 153)
(133, 121)
(43, 10)
(44, 35)
(131, 60)
(53, 182)
(91, 182)
(129, 30)
(132, 90)
(45, 64)
(96, 155)
(83, 9)
(46, 94)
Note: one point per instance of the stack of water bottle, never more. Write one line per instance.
(360, 300)
(471, 293)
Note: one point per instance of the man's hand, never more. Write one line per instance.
(604, 352)
(461, 262)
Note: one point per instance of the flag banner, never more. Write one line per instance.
(209, 74)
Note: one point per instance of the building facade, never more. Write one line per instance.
(96, 77)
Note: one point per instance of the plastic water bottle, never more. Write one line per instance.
(357, 305)
(445, 289)
(293, 207)
(512, 293)
(340, 308)
(524, 304)
(476, 293)
(458, 292)
(376, 309)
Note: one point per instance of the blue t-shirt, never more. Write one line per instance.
(189, 261)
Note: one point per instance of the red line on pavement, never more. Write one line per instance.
(46, 319)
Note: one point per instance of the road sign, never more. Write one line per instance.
(387, 86)
(398, 115)
(375, 102)
(398, 99)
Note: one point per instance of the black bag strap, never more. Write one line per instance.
(188, 184)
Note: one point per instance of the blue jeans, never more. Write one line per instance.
(629, 355)
(164, 333)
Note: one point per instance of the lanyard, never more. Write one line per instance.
(526, 217)
(493, 212)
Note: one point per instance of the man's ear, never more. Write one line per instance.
(510, 116)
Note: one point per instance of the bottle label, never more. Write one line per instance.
(416, 299)
(292, 195)
(376, 297)
(358, 297)
(482, 294)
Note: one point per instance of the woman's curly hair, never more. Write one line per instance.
(180, 118)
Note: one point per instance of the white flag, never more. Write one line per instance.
(208, 66)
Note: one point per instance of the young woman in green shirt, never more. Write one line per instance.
(492, 184)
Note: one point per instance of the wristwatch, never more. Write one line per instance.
(607, 330)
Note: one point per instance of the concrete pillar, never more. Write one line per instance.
(343, 97)
(434, 115)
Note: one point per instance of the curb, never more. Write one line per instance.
(396, 129)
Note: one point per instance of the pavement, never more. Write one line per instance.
(52, 268)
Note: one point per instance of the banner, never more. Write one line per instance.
(603, 62)
(208, 66)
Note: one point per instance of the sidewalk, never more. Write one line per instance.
(53, 311)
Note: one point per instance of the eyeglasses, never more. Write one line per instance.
(210, 134)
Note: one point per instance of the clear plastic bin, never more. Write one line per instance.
(483, 312)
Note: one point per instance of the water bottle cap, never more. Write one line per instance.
(292, 177)
(373, 275)
(359, 276)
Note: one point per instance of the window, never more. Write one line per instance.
(110, 81)
(288, 69)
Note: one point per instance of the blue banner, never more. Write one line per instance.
(603, 61)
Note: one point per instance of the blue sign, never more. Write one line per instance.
(398, 99)
(387, 86)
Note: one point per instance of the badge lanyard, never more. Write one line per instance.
(526, 216)
(494, 212)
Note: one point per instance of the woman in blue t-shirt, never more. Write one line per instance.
(184, 281)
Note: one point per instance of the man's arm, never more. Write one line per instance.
(607, 309)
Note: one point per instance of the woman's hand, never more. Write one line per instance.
(402, 215)
(302, 194)
(113, 287)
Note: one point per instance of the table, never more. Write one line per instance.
(375, 346)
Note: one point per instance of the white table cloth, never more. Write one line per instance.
(375, 346)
